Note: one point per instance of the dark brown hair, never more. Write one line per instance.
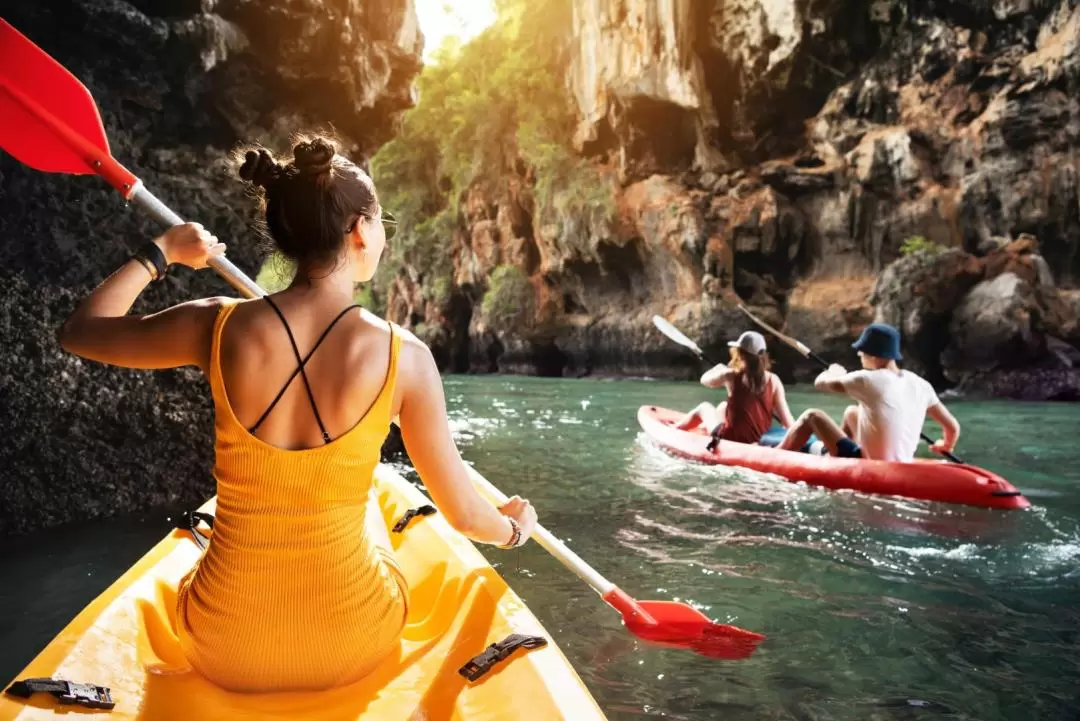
(311, 202)
(751, 367)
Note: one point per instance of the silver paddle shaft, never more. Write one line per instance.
(160, 212)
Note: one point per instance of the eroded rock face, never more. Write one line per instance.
(665, 87)
(992, 327)
(780, 152)
(598, 277)
(979, 322)
(638, 83)
(917, 295)
(179, 84)
(989, 124)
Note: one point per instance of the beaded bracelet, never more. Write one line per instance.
(515, 537)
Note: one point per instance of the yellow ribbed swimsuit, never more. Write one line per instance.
(292, 593)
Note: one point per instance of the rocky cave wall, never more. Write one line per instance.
(179, 84)
(780, 152)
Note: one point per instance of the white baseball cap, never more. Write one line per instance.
(750, 341)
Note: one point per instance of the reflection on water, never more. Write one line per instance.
(875, 608)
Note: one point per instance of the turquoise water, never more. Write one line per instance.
(875, 608)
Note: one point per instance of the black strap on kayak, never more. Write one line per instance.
(480, 664)
(189, 521)
(67, 692)
(403, 522)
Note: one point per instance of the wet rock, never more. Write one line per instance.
(992, 327)
(1027, 384)
(975, 321)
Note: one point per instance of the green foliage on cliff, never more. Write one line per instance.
(484, 108)
(277, 273)
(510, 300)
(918, 243)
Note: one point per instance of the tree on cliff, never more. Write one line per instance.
(488, 108)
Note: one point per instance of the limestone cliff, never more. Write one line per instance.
(179, 84)
(779, 152)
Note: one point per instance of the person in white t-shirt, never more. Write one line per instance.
(892, 405)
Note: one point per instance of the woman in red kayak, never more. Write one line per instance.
(754, 393)
(299, 589)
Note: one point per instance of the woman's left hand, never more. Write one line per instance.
(523, 512)
(189, 244)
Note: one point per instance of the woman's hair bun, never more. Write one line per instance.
(260, 168)
(314, 157)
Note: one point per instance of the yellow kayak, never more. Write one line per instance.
(125, 640)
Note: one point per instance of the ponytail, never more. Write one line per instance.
(752, 368)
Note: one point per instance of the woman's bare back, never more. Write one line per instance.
(346, 373)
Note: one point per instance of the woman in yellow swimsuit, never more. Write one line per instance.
(299, 589)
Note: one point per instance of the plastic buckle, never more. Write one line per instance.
(403, 522)
(86, 694)
(189, 521)
(483, 662)
(66, 692)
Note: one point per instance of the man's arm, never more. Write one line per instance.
(832, 379)
(949, 425)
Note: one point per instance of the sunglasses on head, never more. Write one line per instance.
(389, 224)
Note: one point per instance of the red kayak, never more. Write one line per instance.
(924, 479)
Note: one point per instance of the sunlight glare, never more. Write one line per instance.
(442, 19)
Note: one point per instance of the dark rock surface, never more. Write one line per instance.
(179, 85)
(995, 324)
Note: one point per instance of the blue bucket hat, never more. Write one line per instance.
(880, 340)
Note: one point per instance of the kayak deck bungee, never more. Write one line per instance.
(923, 479)
(125, 640)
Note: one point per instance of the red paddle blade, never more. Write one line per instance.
(48, 119)
(678, 625)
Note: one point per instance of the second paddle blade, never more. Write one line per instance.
(682, 626)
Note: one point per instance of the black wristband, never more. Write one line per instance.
(152, 253)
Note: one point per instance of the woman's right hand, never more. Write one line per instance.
(189, 244)
(523, 513)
